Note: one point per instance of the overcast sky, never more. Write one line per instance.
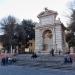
(29, 9)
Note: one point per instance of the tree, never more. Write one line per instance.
(20, 36)
(8, 25)
(28, 26)
(17, 34)
(23, 33)
(70, 37)
(72, 22)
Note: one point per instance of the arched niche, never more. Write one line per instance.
(47, 36)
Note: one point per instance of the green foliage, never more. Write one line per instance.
(16, 34)
(28, 26)
(8, 25)
(72, 22)
(29, 32)
(70, 37)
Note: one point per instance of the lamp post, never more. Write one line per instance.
(56, 48)
(74, 33)
(55, 38)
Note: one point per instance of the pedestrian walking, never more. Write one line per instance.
(59, 52)
(52, 52)
(3, 61)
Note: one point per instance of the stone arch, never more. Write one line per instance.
(47, 36)
(47, 33)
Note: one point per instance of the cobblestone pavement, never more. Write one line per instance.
(20, 70)
(41, 60)
(43, 65)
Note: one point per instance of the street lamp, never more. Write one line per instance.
(55, 38)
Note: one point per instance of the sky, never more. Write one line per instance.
(29, 9)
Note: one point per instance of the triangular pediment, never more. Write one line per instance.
(47, 13)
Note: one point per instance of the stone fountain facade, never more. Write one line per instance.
(49, 33)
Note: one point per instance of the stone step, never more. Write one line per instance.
(46, 65)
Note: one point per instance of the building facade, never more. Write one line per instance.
(49, 33)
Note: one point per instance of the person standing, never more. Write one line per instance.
(52, 52)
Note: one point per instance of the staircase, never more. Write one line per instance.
(41, 60)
